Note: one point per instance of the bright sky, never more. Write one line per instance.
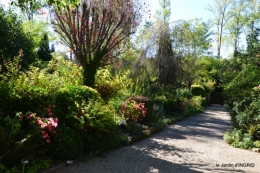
(185, 9)
(180, 9)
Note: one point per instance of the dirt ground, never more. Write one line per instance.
(191, 146)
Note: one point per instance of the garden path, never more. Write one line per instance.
(193, 145)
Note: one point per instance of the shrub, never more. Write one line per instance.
(198, 90)
(170, 104)
(183, 93)
(257, 144)
(237, 138)
(139, 108)
(70, 99)
(109, 85)
(97, 124)
(194, 105)
(245, 113)
(133, 111)
(67, 144)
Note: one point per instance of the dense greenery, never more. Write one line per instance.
(54, 109)
(13, 40)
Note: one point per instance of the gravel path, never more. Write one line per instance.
(191, 146)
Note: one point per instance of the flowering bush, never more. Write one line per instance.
(47, 125)
(133, 110)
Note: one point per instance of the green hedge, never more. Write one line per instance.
(198, 90)
(68, 101)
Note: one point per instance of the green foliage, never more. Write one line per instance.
(243, 102)
(36, 28)
(13, 39)
(17, 142)
(44, 51)
(98, 126)
(237, 138)
(158, 109)
(37, 165)
(257, 144)
(34, 89)
(198, 90)
(243, 83)
(70, 99)
(171, 119)
(169, 101)
(108, 85)
(183, 93)
(67, 144)
(194, 105)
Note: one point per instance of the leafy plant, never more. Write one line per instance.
(67, 144)
(109, 85)
(198, 90)
(257, 144)
(37, 165)
(14, 39)
(237, 138)
(183, 93)
(69, 101)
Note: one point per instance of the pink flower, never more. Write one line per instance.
(50, 114)
(39, 121)
(48, 127)
(48, 110)
(31, 115)
(136, 106)
(45, 136)
(52, 106)
(48, 140)
(43, 125)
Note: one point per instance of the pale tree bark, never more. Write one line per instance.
(220, 9)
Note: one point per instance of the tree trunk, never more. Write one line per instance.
(89, 74)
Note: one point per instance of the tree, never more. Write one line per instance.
(29, 7)
(95, 31)
(190, 40)
(13, 39)
(239, 18)
(254, 13)
(165, 59)
(191, 37)
(44, 51)
(220, 9)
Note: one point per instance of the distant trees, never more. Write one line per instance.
(232, 18)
